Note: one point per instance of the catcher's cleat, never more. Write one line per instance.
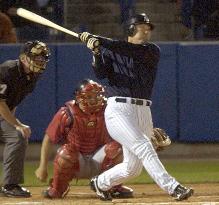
(182, 193)
(121, 192)
(103, 195)
(14, 190)
(51, 193)
(46, 194)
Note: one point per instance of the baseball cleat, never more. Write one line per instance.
(121, 191)
(103, 195)
(182, 193)
(51, 193)
(14, 190)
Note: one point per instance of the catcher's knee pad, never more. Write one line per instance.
(67, 157)
(113, 151)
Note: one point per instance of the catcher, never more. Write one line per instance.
(87, 148)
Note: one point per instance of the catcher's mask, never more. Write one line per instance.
(135, 20)
(90, 96)
(37, 55)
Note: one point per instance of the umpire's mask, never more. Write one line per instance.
(37, 55)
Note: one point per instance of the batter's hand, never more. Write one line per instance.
(93, 44)
(24, 129)
(85, 36)
(41, 174)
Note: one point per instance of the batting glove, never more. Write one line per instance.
(85, 36)
(93, 44)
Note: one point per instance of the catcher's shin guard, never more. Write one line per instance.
(66, 164)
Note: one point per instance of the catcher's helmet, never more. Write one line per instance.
(135, 20)
(90, 96)
(38, 55)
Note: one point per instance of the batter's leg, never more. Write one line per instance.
(126, 131)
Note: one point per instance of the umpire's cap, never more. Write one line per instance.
(140, 19)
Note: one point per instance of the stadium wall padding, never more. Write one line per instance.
(185, 97)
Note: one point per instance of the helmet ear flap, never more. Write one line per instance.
(131, 30)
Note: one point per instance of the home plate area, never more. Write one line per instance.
(205, 194)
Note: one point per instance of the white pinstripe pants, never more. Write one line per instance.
(131, 125)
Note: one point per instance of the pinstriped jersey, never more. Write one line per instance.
(127, 69)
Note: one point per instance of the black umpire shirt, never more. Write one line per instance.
(127, 69)
(14, 83)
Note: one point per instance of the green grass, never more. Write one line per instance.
(184, 171)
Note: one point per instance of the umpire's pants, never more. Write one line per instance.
(14, 153)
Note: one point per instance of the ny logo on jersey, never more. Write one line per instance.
(121, 64)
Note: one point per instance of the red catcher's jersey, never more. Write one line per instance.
(87, 133)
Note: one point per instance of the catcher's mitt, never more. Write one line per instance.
(160, 139)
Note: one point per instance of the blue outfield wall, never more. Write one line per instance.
(185, 98)
(164, 106)
(198, 92)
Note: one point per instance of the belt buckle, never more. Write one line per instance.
(133, 101)
(139, 102)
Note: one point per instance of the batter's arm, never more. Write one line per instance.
(42, 171)
(100, 66)
(123, 47)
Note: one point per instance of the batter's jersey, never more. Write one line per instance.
(15, 85)
(127, 69)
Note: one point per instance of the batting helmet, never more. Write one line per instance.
(135, 20)
(38, 55)
(90, 96)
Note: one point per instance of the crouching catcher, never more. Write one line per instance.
(86, 149)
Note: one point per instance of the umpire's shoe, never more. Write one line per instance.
(121, 192)
(14, 190)
(182, 193)
(103, 195)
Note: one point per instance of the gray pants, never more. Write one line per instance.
(14, 153)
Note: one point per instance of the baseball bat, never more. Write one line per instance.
(41, 20)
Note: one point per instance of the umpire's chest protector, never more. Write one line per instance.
(88, 131)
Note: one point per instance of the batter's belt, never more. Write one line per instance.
(135, 101)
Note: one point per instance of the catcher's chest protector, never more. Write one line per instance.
(88, 131)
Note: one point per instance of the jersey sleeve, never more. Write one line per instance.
(59, 126)
(3, 86)
(101, 65)
(125, 48)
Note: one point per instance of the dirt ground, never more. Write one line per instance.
(205, 194)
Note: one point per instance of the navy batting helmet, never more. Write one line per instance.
(135, 20)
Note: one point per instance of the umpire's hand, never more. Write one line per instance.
(24, 129)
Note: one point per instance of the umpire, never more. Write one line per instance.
(17, 79)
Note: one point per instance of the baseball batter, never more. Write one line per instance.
(87, 148)
(128, 69)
